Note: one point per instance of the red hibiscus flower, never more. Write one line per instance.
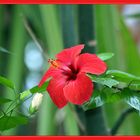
(69, 81)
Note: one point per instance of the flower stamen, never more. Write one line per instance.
(53, 63)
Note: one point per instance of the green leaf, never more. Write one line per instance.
(4, 100)
(40, 89)
(131, 64)
(24, 94)
(4, 50)
(6, 82)
(133, 99)
(134, 102)
(134, 86)
(104, 81)
(108, 95)
(122, 76)
(107, 36)
(34, 90)
(113, 35)
(131, 81)
(7, 122)
(105, 56)
(137, 15)
(100, 97)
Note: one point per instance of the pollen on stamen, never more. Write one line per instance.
(53, 63)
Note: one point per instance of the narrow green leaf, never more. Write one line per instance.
(33, 90)
(105, 56)
(104, 81)
(107, 36)
(131, 63)
(6, 82)
(4, 50)
(40, 89)
(113, 35)
(122, 76)
(7, 122)
(4, 100)
(137, 15)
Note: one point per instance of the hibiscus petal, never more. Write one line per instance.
(90, 63)
(55, 90)
(79, 90)
(51, 72)
(67, 55)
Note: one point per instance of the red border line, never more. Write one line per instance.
(69, 1)
(70, 137)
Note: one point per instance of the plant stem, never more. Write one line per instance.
(81, 126)
(16, 45)
(29, 30)
(69, 38)
(121, 119)
(46, 119)
(94, 119)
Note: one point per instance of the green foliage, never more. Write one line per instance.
(112, 35)
(105, 56)
(130, 80)
(34, 90)
(4, 100)
(104, 81)
(24, 94)
(108, 95)
(109, 91)
(106, 27)
(5, 82)
(129, 49)
(32, 111)
(40, 89)
(113, 90)
(122, 76)
(4, 50)
(54, 44)
(137, 15)
(7, 122)
(100, 97)
(133, 99)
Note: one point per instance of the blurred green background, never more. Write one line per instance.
(32, 33)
